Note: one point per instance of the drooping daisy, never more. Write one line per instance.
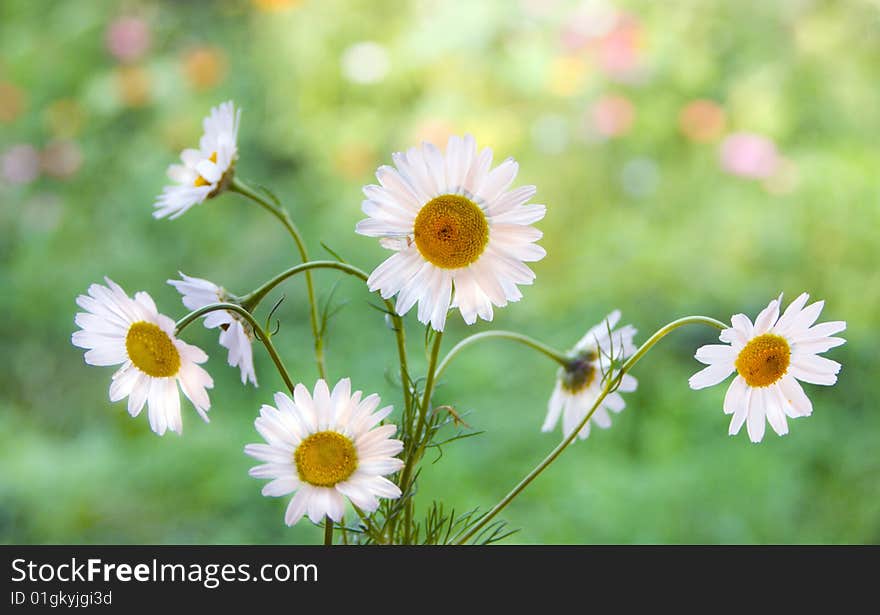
(579, 384)
(236, 334)
(205, 171)
(326, 447)
(119, 330)
(769, 358)
(461, 238)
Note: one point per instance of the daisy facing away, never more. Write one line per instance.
(579, 384)
(769, 357)
(205, 171)
(119, 330)
(236, 335)
(461, 237)
(325, 447)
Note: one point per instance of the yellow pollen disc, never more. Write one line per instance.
(764, 360)
(579, 373)
(151, 350)
(201, 181)
(451, 231)
(325, 458)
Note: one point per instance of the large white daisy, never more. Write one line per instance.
(579, 383)
(119, 330)
(205, 171)
(236, 334)
(461, 237)
(770, 356)
(324, 447)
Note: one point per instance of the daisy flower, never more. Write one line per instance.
(205, 171)
(461, 237)
(236, 334)
(119, 330)
(579, 383)
(769, 357)
(324, 448)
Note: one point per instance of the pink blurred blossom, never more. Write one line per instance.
(20, 164)
(618, 53)
(128, 38)
(612, 116)
(749, 155)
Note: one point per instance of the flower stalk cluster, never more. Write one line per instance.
(461, 238)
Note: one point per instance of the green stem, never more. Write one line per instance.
(413, 456)
(261, 335)
(242, 188)
(328, 531)
(252, 299)
(610, 386)
(551, 353)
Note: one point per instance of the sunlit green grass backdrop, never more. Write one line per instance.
(642, 216)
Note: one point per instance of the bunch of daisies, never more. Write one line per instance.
(461, 237)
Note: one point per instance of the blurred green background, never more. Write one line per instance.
(695, 157)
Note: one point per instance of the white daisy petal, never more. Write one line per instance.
(271, 470)
(806, 318)
(138, 396)
(359, 494)
(710, 376)
(816, 346)
(554, 408)
(794, 394)
(497, 181)
(123, 382)
(742, 323)
(794, 308)
(513, 201)
(755, 421)
(105, 355)
(767, 317)
(735, 398)
(319, 504)
(775, 412)
(281, 486)
(741, 412)
(297, 507)
(820, 331)
(824, 377)
(715, 353)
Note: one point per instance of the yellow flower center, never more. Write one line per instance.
(201, 181)
(580, 372)
(451, 231)
(151, 350)
(325, 458)
(764, 360)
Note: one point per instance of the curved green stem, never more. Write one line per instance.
(549, 352)
(611, 385)
(252, 299)
(242, 188)
(261, 335)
